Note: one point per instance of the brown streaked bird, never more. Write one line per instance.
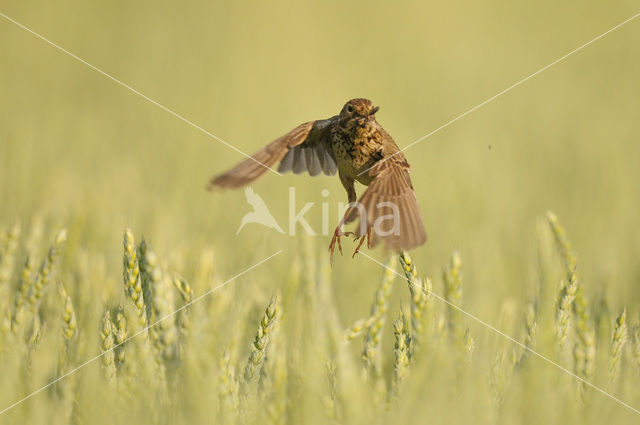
(359, 149)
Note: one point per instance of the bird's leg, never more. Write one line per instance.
(351, 196)
(362, 238)
(336, 238)
(337, 234)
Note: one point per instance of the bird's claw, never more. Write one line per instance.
(336, 240)
(332, 245)
(362, 238)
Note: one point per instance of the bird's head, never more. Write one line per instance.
(358, 113)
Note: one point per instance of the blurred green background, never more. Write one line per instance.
(87, 154)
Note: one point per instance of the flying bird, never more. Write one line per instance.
(354, 145)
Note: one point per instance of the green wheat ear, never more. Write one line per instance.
(164, 334)
(620, 337)
(504, 361)
(159, 303)
(26, 276)
(107, 344)
(357, 329)
(636, 344)
(149, 273)
(182, 318)
(7, 260)
(132, 279)
(468, 346)
(7, 251)
(420, 292)
(530, 330)
(70, 325)
(570, 299)
(120, 333)
(563, 310)
(452, 277)
(402, 336)
(259, 348)
(22, 293)
(41, 281)
(568, 290)
(69, 328)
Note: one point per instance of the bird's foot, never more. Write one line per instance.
(335, 239)
(362, 238)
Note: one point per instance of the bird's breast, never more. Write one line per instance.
(357, 152)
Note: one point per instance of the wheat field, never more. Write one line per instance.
(127, 297)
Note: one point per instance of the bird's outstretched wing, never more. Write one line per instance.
(305, 148)
(389, 206)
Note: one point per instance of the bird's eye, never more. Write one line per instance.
(349, 108)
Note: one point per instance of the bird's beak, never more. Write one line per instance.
(374, 110)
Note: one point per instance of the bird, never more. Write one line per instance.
(260, 213)
(356, 147)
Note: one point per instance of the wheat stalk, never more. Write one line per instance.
(402, 336)
(452, 277)
(468, 346)
(332, 400)
(275, 387)
(370, 356)
(228, 398)
(505, 359)
(636, 344)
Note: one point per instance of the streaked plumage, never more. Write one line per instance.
(350, 143)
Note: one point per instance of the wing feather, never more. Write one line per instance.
(313, 162)
(290, 151)
(390, 207)
(328, 161)
(299, 161)
(286, 164)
